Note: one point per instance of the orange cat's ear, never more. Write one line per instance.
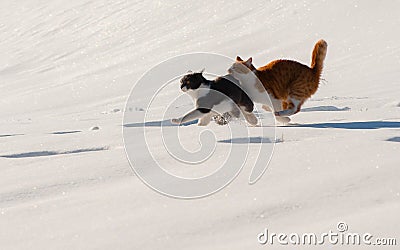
(239, 59)
(249, 62)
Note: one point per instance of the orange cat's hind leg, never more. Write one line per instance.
(285, 105)
(283, 119)
(293, 106)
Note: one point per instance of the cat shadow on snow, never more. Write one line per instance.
(350, 125)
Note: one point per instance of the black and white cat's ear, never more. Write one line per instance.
(190, 71)
(239, 59)
(249, 62)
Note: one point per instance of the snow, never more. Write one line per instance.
(67, 67)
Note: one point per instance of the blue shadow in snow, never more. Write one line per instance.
(394, 139)
(246, 140)
(164, 123)
(50, 153)
(324, 108)
(10, 135)
(351, 125)
(66, 132)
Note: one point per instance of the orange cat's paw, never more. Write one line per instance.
(283, 119)
(176, 121)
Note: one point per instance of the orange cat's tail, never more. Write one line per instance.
(318, 56)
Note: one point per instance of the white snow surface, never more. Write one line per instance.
(67, 68)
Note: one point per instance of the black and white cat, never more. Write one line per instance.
(214, 98)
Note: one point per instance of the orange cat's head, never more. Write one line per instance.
(241, 67)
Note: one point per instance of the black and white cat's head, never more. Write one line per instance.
(195, 85)
(193, 81)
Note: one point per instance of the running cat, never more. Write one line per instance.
(288, 83)
(216, 97)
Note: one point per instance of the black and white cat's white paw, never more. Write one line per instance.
(251, 118)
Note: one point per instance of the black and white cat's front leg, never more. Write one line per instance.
(203, 114)
(205, 120)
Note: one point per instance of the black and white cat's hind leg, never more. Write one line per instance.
(225, 118)
(246, 106)
(247, 110)
(204, 115)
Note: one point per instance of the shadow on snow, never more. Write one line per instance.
(350, 125)
(50, 153)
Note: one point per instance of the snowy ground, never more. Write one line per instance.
(68, 66)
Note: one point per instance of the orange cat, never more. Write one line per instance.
(288, 83)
